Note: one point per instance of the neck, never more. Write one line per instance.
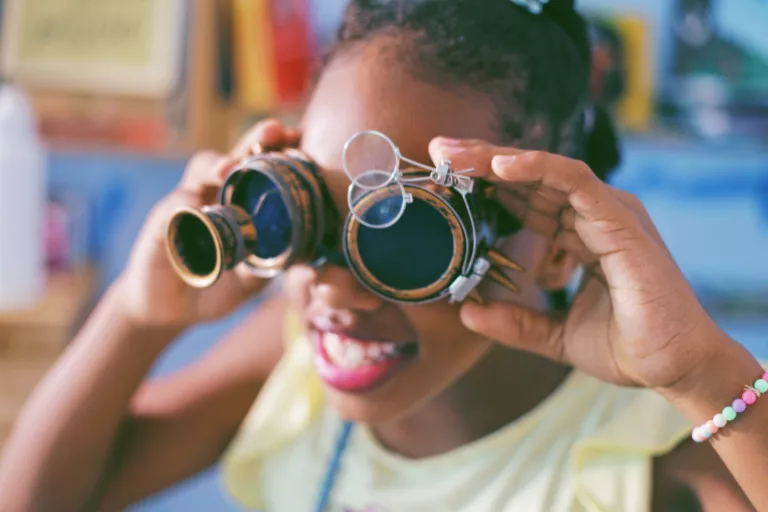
(503, 386)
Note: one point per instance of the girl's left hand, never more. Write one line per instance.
(635, 320)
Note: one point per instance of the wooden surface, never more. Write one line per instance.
(30, 341)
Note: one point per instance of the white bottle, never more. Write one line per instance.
(22, 203)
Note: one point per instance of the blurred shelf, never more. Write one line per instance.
(101, 150)
(31, 340)
(67, 294)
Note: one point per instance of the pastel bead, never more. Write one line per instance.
(739, 405)
(706, 434)
(729, 414)
(749, 397)
(719, 420)
(711, 427)
(761, 385)
(696, 435)
(765, 376)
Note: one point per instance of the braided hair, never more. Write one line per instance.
(535, 68)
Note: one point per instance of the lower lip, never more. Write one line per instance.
(363, 378)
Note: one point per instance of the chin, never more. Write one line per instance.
(369, 410)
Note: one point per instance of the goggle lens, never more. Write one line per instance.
(261, 198)
(411, 254)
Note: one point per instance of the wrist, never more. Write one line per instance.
(716, 381)
(116, 304)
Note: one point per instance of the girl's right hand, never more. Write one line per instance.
(149, 289)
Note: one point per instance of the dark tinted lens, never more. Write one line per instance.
(413, 253)
(195, 245)
(260, 197)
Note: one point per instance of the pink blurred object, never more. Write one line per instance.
(57, 240)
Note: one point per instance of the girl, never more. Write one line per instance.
(549, 416)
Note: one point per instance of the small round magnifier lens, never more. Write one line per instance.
(380, 208)
(370, 160)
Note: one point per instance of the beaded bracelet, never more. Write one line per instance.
(728, 414)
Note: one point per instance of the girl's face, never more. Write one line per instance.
(378, 359)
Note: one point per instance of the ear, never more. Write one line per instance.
(556, 268)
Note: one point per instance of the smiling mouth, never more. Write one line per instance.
(353, 365)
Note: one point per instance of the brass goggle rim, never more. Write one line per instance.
(432, 292)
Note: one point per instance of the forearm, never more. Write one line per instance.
(63, 437)
(742, 444)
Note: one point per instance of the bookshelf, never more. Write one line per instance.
(153, 90)
(208, 69)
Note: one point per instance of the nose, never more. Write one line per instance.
(337, 289)
(329, 288)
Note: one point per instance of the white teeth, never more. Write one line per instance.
(374, 351)
(332, 341)
(348, 353)
(355, 354)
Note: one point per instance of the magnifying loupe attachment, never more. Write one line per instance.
(273, 212)
(371, 160)
(377, 208)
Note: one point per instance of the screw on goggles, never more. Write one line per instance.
(415, 236)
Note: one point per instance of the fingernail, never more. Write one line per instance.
(504, 160)
(446, 141)
(452, 151)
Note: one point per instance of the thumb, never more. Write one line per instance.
(516, 327)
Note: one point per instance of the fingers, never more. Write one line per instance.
(205, 169)
(209, 169)
(266, 135)
(469, 154)
(636, 205)
(292, 137)
(548, 183)
(559, 226)
(562, 199)
(551, 182)
(516, 327)
(583, 191)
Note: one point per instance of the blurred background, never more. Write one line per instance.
(102, 101)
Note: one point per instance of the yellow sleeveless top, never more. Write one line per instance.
(588, 447)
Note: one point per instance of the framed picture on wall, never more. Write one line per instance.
(113, 47)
